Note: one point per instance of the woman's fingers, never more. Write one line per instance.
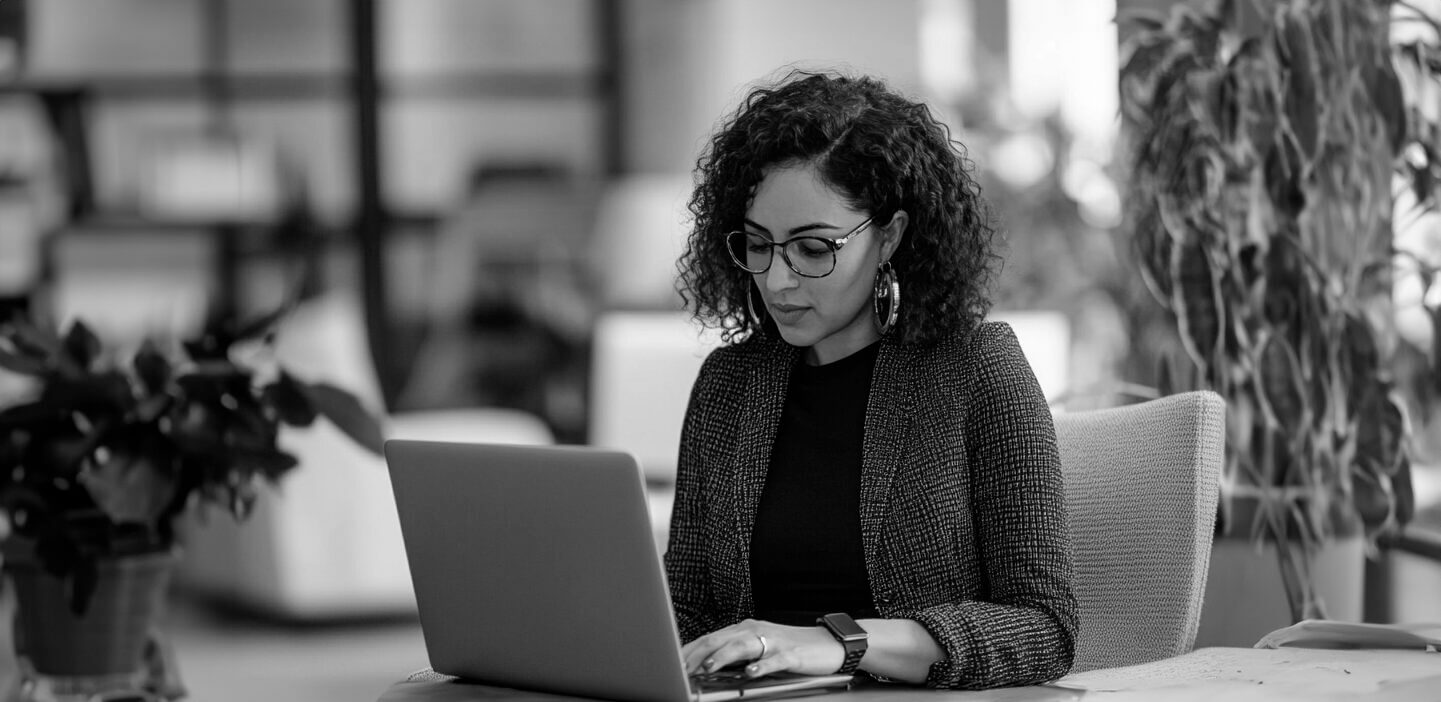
(739, 647)
(772, 662)
(741, 643)
(696, 652)
(765, 648)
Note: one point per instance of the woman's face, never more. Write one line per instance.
(829, 316)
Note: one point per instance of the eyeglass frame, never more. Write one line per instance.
(834, 245)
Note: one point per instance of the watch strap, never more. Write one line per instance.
(855, 648)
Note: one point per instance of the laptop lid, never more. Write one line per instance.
(534, 567)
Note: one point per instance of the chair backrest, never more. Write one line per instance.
(1142, 483)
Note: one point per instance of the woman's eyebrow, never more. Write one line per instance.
(797, 230)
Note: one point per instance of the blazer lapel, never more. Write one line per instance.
(888, 419)
(759, 422)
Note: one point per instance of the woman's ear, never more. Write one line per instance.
(891, 234)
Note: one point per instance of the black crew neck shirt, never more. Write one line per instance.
(807, 559)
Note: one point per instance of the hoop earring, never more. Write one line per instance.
(751, 307)
(887, 300)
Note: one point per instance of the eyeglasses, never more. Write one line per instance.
(808, 256)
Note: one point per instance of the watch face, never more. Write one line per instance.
(844, 626)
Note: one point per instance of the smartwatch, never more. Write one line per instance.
(852, 637)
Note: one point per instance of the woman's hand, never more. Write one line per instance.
(766, 648)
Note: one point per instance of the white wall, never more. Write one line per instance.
(690, 61)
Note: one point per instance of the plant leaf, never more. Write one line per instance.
(1361, 360)
(1301, 103)
(151, 367)
(261, 325)
(290, 401)
(1196, 301)
(1152, 245)
(1283, 389)
(1380, 429)
(81, 345)
(1144, 18)
(1371, 494)
(209, 346)
(1384, 87)
(129, 486)
(17, 416)
(150, 408)
(346, 412)
(1434, 354)
(32, 340)
(1404, 493)
(21, 363)
(103, 393)
(272, 463)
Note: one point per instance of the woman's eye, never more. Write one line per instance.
(813, 248)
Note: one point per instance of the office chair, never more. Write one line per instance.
(1142, 482)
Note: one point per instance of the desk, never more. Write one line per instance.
(1230, 674)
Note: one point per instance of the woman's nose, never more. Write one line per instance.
(780, 276)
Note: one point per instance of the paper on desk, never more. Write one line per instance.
(1238, 674)
(1325, 633)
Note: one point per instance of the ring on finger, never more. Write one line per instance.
(764, 646)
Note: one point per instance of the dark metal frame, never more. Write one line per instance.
(374, 221)
(1425, 543)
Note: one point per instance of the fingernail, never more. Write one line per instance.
(753, 669)
(710, 664)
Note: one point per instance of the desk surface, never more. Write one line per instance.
(1231, 674)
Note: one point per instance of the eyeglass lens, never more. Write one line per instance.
(809, 256)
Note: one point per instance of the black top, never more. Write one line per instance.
(806, 554)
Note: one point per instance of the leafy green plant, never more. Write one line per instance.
(1260, 216)
(103, 456)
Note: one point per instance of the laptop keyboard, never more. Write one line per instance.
(732, 678)
(725, 676)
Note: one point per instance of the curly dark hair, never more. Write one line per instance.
(880, 151)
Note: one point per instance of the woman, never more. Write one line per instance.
(864, 446)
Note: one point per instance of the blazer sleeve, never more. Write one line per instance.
(685, 557)
(1024, 631)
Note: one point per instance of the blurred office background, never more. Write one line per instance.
(481, 203)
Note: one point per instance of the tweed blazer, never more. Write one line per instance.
(963, 518)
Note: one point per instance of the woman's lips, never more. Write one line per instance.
(788, 314)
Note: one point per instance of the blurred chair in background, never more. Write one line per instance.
(643, 367)
(511, 301)
(326, 542)
(645, 351)
(1142, 483)
(639, 234)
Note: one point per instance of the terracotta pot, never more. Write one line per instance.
(110, 638)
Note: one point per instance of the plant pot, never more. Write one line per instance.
(1245, 595)
(1245, 599)
(103, 649)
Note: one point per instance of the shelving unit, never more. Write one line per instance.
(356, 92)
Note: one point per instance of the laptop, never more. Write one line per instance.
(535, 568)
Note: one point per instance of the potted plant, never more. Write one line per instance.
(103, 454)
(1265, 139)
